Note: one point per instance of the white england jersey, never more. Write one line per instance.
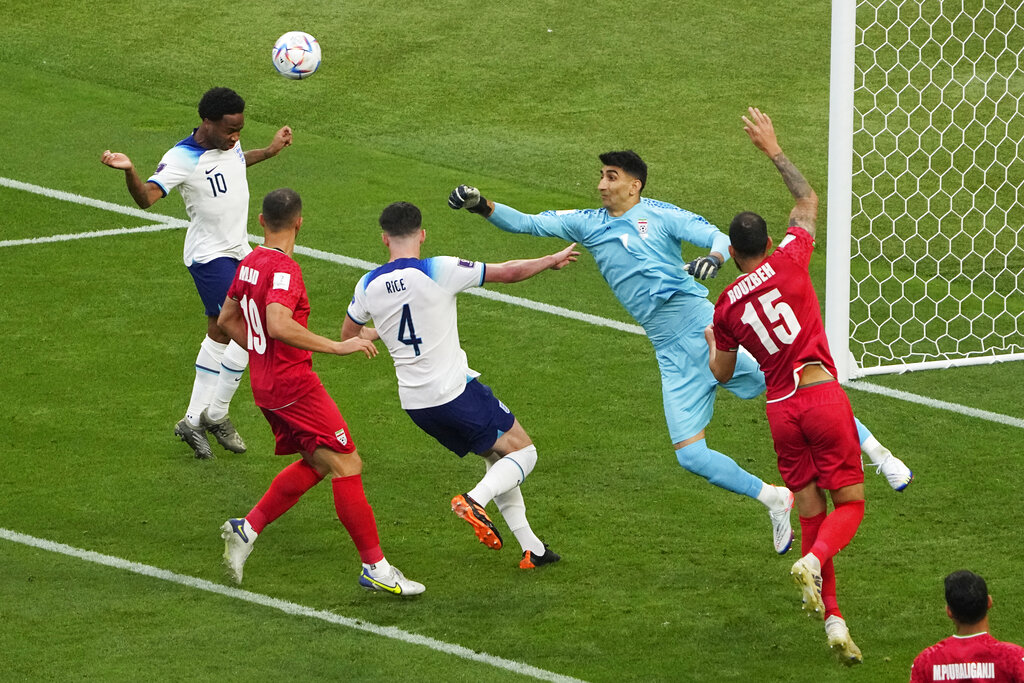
(412, 303)
(212, 182)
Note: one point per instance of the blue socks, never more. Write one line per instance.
(719, 469)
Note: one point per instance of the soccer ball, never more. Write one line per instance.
(296, 55)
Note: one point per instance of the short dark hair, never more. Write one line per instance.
(281, 207)
(629, 161)
(748, 234)
(216, 103)
(967, 596)
(401, 219)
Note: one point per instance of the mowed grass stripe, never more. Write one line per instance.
(348, 261)
(290, 608)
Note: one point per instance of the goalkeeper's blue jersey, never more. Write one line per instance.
(639, 255)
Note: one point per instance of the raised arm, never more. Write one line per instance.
(762, 133)
(282, 139)
(145, 194)
(516, 271)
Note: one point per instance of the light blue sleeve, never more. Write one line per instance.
(689, 227)
(567, 225)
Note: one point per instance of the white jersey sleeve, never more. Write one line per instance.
(412, 303)
(214, 187)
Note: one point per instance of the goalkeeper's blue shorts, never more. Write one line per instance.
(688, 387)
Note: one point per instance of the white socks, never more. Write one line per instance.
(771, 497)
(505, 478)
(875, 450)
(505, 474)
(513, 509)
(219, 368)
(207, 375)
(381, 569)
(232, 365)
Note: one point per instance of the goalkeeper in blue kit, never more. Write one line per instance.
(637, 245)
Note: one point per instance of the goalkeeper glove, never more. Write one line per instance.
(469, 198)
(704, 267)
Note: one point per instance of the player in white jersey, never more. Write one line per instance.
(412, 303)
(208, 167)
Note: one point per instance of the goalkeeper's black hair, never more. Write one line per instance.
(281, 207)
(967, 596)
(748, 234)
(629, 161)
(401, 219)
(217, 103)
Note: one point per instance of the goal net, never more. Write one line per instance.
(926, 184)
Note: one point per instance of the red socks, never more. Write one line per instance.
(355, 513)
(809, 527)
(825, 536)
(286, 489)
(838, 529)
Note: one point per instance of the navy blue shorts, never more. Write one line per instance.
(472, 421)
(213, 279)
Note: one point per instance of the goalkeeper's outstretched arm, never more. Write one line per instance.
(762, 133)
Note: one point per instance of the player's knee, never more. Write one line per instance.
(694, 457)
(340, 464)
(526, 458)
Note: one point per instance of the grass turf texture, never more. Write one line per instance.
(664, 577)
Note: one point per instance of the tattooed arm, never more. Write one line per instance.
(762, 134)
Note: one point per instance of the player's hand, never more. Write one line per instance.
(116, 160)
(355, 345)
(282, 139)
(467, 197)
(761, 132)
(709, 337)
(369, 334)
(565, 257)
(704, 267)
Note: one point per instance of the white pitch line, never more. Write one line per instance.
(935, 403)
(495, 296)
(87, 235)
(290, 608)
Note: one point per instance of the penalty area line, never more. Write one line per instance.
(289, 608)
(168, 222)
(87, 235)
(935, 403)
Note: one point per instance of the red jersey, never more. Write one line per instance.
(774, 314)
(279, 373)
(979, 658)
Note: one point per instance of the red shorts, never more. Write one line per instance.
(313, 421)
(816, 438)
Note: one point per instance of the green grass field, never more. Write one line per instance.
(664, 577)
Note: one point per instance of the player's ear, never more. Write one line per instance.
(423, 235)
(768, 247)
(949, 612)
(384, 239)
(262, 222)
(732, 253)
(990, 602)
(298, 224)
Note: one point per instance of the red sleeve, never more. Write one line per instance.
(798, 245)
(724, 340)
(286, 286)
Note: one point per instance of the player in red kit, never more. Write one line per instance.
(771, 310)
(266, 312)
(971, 654)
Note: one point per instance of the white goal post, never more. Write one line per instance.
(925, 224)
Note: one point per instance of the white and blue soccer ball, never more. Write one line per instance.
(296, 55)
